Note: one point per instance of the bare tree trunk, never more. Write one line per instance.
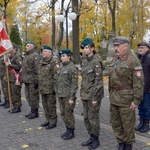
(75, 33)
(61, 30)
(134, 9)
(113, 16)
(53, 23)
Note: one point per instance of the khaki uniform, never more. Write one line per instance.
(46, 79)
(3, 78)
(92, 90)
(14, 69)
(125, 86)
(29, 77)
(67, 85)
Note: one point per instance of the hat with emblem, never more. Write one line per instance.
(65, 51)
(30, 42)
(143, 43)
(120, 40)
(46, 47)
(85, 42)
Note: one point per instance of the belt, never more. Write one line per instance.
(121, 87)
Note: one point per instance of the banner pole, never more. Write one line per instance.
(7, 70)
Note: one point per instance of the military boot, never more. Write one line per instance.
(16, 110)
(140, 125)
(4, 103)
(145, 127)
(69, 135)
(128, 147)
(89, 141)
(27, 115)
(7, 104)
(95, 143)
(64, 134)
(34, 114)
(120, 146)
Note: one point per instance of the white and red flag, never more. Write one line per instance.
(5, 43)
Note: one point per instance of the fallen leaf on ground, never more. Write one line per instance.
(25, 146)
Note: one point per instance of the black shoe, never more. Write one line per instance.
(69, 135)
(33, 115)
(46, 123)
(120, 146)
(27, 115)
(62, 135)
(140, 124)
(16, 110)
(50, 126)
(95, 143)
(6, 106)
(145, 126)
(88, 142)
(128, 147)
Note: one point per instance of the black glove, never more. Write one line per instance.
(36, 85)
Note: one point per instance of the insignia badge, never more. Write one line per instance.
(138, 73)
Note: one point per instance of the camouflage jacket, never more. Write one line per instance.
(15, 64)
(126, 80)
(67, 82)
(2, 68)
(92, 78)
(30, 67)
(47, 75)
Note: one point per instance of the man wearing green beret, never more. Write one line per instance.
(125, 88)
(29, 77)
(46, 78)
(92, 91)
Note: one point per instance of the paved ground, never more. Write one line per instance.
(19, 133)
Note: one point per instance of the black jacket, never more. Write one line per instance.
(145, 60)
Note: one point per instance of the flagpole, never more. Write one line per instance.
(7, 71)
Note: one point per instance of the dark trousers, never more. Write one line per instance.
(144, 107)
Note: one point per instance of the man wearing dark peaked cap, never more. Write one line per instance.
(126, 83)
(144, 107)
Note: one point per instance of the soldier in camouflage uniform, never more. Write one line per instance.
(126, 88)
(4, 86)
(46, 79)
(67, 85)
(14, 66)
(92, 91)
(29, 77)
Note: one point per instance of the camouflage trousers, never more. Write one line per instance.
(16, 95)
(4, 88)
(49, 105)
(123, 123)
(91, 117)
(67, 111)
(32, 95)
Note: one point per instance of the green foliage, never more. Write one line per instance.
(15, 36)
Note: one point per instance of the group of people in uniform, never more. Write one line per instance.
(57, 79)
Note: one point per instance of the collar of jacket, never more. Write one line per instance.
(90, 58)
(144, 56)
(30, 51)
(66, 63)
(47, 61)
